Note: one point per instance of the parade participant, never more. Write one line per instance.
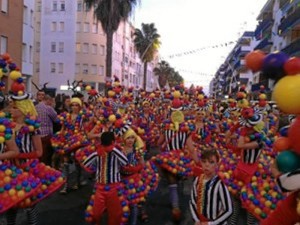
(173, 139)
(133, 148)
(71, 137)
(210, 202)
(106, 162)
(29, 144)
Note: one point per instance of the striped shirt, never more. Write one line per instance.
(216, 204)
(1, 151)
(175, 139)
(251, 155)
(289, 181)
(107, 165)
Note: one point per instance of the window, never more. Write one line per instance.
(54, 6)
(60, 68)
(38, 6)
(52, 67)
(3, 45)
(4, 6)
(86, 27)
(38, 26)
(25, 15)
(94, 49)
(24, 52)
(85, 48)
(85, 68)
(53, 26)
(77, 68)
(101, 70)
(93, 69)
(95, 28)
(37, 67)
(78, 27)
(61, 47)
(78, 47)
(61, 26)
(102, 48)
(31, 18)
(38, 46)
(30, 54)
(62, 6)
(79, 6)
(53, 47)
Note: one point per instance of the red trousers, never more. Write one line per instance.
(285, 212)
(106, 198)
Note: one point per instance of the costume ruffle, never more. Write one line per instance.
(176, 162)
(64, 143)
(261, 195)
(82, 153)
(15, 186)
(51, 180)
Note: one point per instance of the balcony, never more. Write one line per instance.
(289, 22)
(263, 44)
(293, 48)
(256, 87)
(263, 25)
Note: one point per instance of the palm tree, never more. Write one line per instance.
(110, 13)
(163, 71)
(146, 42)
(174, 79)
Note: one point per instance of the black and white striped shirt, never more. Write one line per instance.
(107, 165)
(251, 155)
(216, 205)
(175, 139)
(289, 181)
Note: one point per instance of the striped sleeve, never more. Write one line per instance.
(193, 201)
(90, 162)
(120, 156)
(289, 181)
(224, 196)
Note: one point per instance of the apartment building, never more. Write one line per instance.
(11, 28)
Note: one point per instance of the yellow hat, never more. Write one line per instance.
(76, 100)
(139, 142)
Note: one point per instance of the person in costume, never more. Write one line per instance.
(71, 137)
(134, 150)
(29, 144)
(173, 140)
(210, 202)
(106, 162)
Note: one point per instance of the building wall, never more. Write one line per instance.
(11, 26)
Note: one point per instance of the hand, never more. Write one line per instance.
(203, 223)
(274, 169)
(197, 223)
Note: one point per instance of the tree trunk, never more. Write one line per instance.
(145, 75)
(109, 45)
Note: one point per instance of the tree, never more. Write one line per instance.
(175, 78)
(110, 13)
(163, 71)
(146, 42)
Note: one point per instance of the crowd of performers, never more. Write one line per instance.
(232, 148)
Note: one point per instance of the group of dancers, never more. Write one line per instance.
(226, 145)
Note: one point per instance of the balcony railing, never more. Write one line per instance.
(256, 87)
(263, 44)
(293, 48)
(289, 21)
(265, 24)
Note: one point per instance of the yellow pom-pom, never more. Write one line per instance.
(2, 139)
(20, 93)
(14, 75)
(176, 94)
(2, 128)
(201, 96)
(1, 73)
(262, 96)
(112, 118)
(88, 88)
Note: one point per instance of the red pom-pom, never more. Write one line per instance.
(293, 135)
(292, 66)
(16, 87)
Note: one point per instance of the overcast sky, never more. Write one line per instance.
(190, 28)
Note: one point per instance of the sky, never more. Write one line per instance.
(194, 32)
